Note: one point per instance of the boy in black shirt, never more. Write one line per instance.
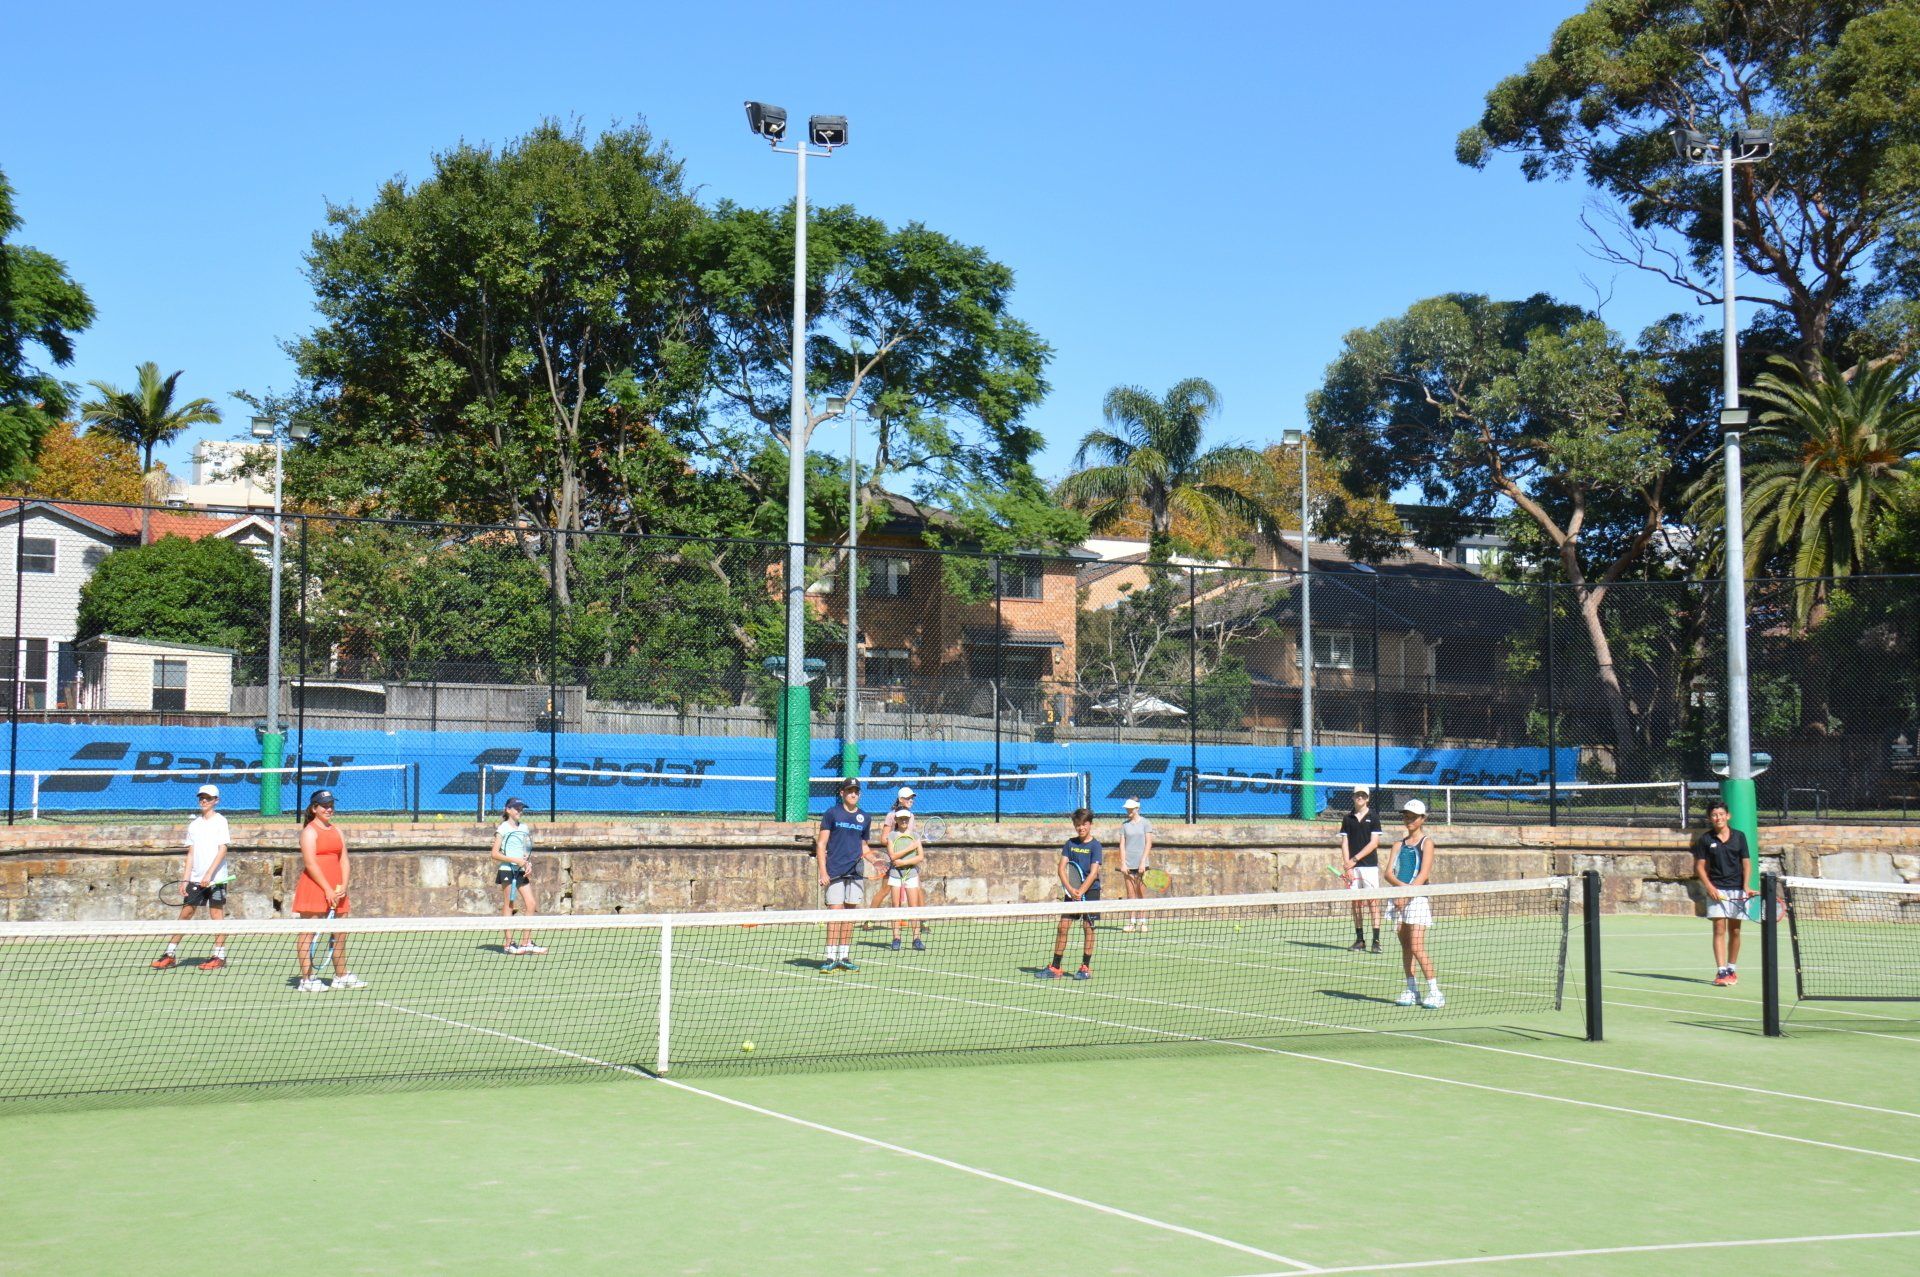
(1720, 858)
(1359, 839)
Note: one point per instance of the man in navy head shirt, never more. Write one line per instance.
(841, 850)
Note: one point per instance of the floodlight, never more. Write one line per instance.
(769, 122)
(301, 429)
(1752, 144)
(1693, 146)
(828, 130)
(1293, 438)
(263, 427)
(1734, 418)
(836, 404)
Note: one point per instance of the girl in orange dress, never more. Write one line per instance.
(322, 890)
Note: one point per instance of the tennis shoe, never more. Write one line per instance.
(213, 964)
(1375, 948)
(1407, 998)
(1358, 946)
(1047, 973)
(348, 981)
(1733, 977)
(919, 945)
(530, 947)
(311, 985)
(1721, 978)
(895, 946)
(1434, 1001)
(1084, 973)
(1130, 927)
(164, 961)
(511, 947)
(847, 964)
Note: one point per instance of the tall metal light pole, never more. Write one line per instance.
(796, 711)
(850, 744)
(273, 741)
(1307, 807)
(1743, 146)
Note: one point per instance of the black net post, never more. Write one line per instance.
(300, 683)
(1376, 684)
(554, 568)
(999, 673)
(1193, 692)
(14, 661)
(1770, 954)
(1553, 731)
(1590, 936)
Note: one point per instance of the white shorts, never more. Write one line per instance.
(1416, 913)
(1732, 904)
(1366, 876)
(903, 878)
(846, 891)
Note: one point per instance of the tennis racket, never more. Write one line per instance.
(1155, 880)
(901, 853)
(1336, 871)
(932, 829)
(174, 894)
(313, 949)
(1075, 877)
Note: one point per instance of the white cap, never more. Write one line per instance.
(1132, 804)
(207, 791)
(1415, 806)
(906, 791)
(1362, 789)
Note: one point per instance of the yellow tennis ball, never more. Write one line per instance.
(747, 1047)
(1236, 926)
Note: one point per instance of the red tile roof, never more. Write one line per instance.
(125, 521)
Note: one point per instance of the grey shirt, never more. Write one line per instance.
(1133, 841)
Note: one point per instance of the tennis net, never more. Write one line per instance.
(1663, 802)
(1854, 941)
(83, 1011)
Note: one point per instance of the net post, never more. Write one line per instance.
(1193, 798)
(661, 1060)
(36, 795)
(413, 769)
(480, 799)
(1769, 955)
(1590, 939)
(1086, 789)
(1448, 791)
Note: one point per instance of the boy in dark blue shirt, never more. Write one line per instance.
(840, 848)
(1079, 872)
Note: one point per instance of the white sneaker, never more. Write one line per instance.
(311, 985)
(510, 947)
(530, 947)
(1130, 927)
(1434, 1001)
(1407, 998)
(349, 981)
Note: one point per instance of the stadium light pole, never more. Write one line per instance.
(273, 741)
(1298, 439)
(850, 746)
(796, 711)
(1742, 146)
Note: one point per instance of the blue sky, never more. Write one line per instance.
(1219, 190)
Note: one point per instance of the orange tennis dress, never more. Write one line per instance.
(310, 896)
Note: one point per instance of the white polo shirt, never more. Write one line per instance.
(206, 835)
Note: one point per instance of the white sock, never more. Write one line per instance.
(1433, 986)
(219, 951)
(171, 947)
(846, 951)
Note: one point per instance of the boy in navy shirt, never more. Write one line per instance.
(840, 848)
(1079, 872)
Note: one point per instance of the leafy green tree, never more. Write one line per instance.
(1828, 460)
(1535, 404)
(146, 416)
(1818, 221)
(1151, 455)
(514, 339)
(40, 305)
(209, 592)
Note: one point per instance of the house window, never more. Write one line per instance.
(36, 554)
(32, 692)
(887, 667)
(1337, 650)
(893, 578)
(169, 684)
(1023, 579)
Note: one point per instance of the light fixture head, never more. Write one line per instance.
(1293, 438)
(301, 428)
(262, 427)
(1693, 146)
(769, 122)
(1752, 144)
(1733, 419)
(836, 404)
(827, 130)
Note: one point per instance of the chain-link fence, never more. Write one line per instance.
(435, 670)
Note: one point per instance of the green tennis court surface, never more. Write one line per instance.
(1356, 1152)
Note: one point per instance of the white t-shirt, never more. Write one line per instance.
(516, 841)
(206, 835)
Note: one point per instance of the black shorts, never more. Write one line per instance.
(197, 895)
(514, 874)
(1083, 917)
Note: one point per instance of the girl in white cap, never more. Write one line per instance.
(1411, 865)
(883, 892)
(1136, 846)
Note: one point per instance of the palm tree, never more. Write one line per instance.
(1150, 457)
(146, 417)
(1829, 458)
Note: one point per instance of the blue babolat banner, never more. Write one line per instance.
(68, 768)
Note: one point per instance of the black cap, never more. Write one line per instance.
(321, 798)
(848, 785)
(516, 804)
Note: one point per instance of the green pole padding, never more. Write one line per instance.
(272, 749)
(1743, 812)
(1306, 804)
(796, 744)
(850, 759)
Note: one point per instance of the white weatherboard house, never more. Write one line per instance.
(139, 674)
(48, 549)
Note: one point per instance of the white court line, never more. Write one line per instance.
(844, 983)
(1613, 1250)
(1293, 1265)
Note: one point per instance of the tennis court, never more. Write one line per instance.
(1421, 1140)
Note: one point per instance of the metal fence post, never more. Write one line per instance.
(16, 662)
(999, 641)
(300, 679)
(554, 569)
(1376, 684)
(1193, 690)
(1553, 728)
